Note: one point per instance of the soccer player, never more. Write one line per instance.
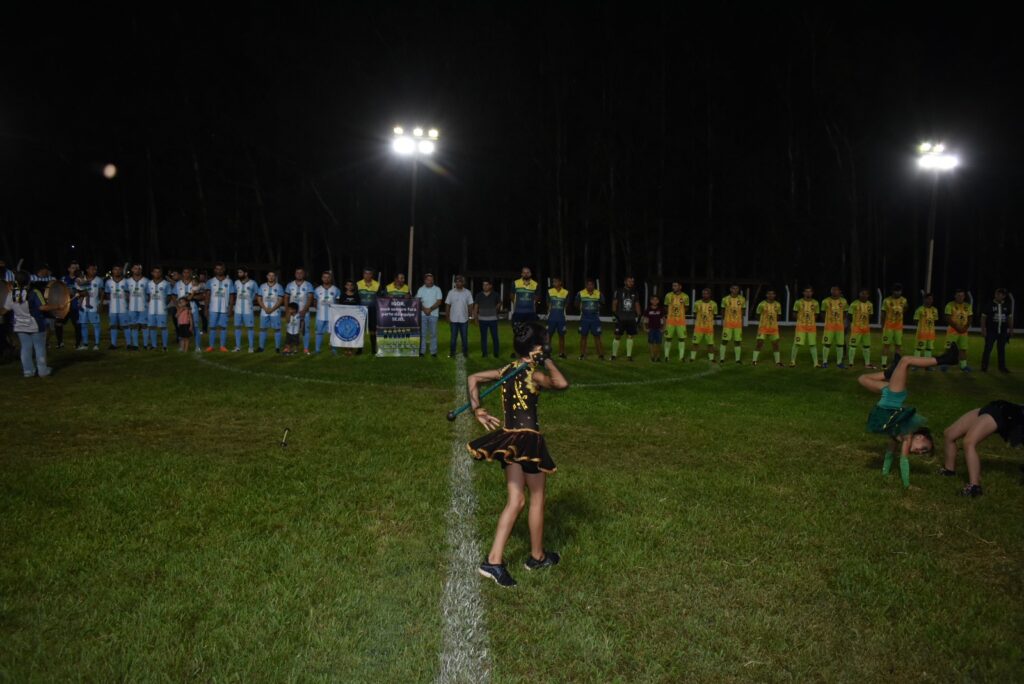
(733, 305)
(926, 316)
(222, 301)
(557, 295)
(626, 310)
(116, 289)
(138, 317)
(677, 303)
(861, 310)
(397, 288)
(807, 311)
(90, 295)
(368, 289)
(834, 307)
(159, 291)
(327, 293)
(300, 292)
(958, 317)
(654, 321)
(524, 297)
(704, 312)
(893, 308)
(768, 311)
(588, 301)
(271, 299)
(246, 291)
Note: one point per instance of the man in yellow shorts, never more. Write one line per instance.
(733, 306)
(861, 310)
(958, 316)
(677, 303)
(704, 312)
(834, 307)
(807, 311)
(926, 316)
(893, 308)
(768, 311)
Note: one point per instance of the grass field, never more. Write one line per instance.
(716, 524)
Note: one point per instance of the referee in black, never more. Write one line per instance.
(997, 326)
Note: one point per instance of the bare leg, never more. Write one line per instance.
(583, 346)
(507, 519)
(898, 380)
(536, 515)
(982, 428)
(873, 382)
(600, 345)
(958, 429)
(561, 343)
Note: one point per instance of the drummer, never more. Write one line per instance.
(29, 307)
(71, 282)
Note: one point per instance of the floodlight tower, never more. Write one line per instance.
(414, 146)
(933, 158)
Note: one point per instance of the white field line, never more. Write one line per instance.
(658, 381)
(464, 652)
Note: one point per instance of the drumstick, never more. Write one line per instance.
(462, 409)
(284, 440)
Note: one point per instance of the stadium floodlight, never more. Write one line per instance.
(934, 158)
(415, 146)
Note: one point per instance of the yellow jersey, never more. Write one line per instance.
(704, 317)
(732, 311)
(677, 305)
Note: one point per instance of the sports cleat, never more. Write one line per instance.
(870, 366)
(236, 350)
(630, 359)
(497, 572)
(550, 558)
(825, 365)
(252, 351)
(841, 366)
(947, 473)
(739, 362)
(562, 356)
(966, 369)
(613, 357)
(96, 347)
(950, 357)
(753, 363)
(581, 357)
(81, 347)
(208, 349)
(780, 365)
(259, 350)
(792, 364)
(971, 491)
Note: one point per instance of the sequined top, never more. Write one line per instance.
(519, 398)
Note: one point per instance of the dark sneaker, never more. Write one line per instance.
(947, 473)
(892, 368)
(498, 573)
(561, 356)
(581, 357)
(825, 365)
(971, 491)
(550, 558)
(841, 366)
(950, 357)
(613, 357)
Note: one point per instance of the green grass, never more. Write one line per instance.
(715, 524)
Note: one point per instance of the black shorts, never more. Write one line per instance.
(627, 327)
(1009, 419)
(524, 317)
(184, 331)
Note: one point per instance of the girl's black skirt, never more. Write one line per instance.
(524, 446)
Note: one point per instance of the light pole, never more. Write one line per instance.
(416, 145)
(935, 159)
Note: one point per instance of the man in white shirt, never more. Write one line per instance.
(457, 302)
(116, 289)
(270, 300)
(300, 292)
(326, 293)
(158, 291)
(246, 291)
(138, 285)
(222, 298)
(430, 297)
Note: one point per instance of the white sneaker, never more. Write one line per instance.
(236, 349)
(96, 347)
(251, 350)
(81, 347)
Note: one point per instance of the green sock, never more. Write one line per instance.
(851, 354)
(615, 347)
(629, 346)
(814, 354)
(739, 352)
(887, 463)
(827, 352)
(867, 356)
(693, 355)
(711, 356)
(721, 353)
(682, 350)
(756, 354)
(905, 470)
(928, 353)
(778, 357)
(963, 364)
(792, 356)
(885, 357)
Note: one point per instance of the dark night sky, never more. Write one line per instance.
(760, 145)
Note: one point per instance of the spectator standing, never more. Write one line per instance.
(996, 326)
(486, 306)
(430, 297)
(457, 304)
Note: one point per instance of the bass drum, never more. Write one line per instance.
(58, 295)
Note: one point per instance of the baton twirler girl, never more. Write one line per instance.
(518, 446)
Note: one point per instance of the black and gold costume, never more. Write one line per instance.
(520, 440)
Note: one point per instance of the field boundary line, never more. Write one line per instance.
(658, 381)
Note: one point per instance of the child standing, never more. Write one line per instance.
(654, 320)
(294, 330)
(518, 446)
(184, 324)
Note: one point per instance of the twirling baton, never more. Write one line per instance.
(508, 376)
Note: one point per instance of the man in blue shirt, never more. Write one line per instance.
(431, 298)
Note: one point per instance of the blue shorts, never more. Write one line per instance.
(270, 321)
(653, 337)
(157, 320)
(323, 325)
(86, 317)
(218, 320)
(524, 317)
(137, 318)
(244, 319)
(119, 320)
(556, 325)
(590, 327)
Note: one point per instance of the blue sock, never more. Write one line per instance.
(263, 339)
(238, 338)
(113, 336)
(145, 337)
(252, 334)
(223, 337)
(305, 338)
(165, 338)
(319, 340)
(277, 339)
(96, 334)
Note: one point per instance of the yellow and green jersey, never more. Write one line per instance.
(732, 311)
(590, 304)
(860, 317)
(835, 313)
(893, 309)
(959, 313)
(926, 317)
(556, 303)
(704, 317)
(768, 317)
(676, 303)
(368, 292)
(807, 311)
(399, 292)
(524, 297)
